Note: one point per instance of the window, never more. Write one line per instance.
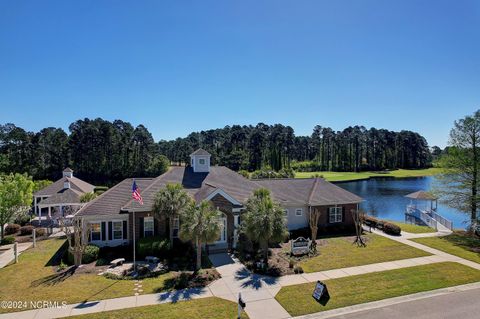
(147, 226)
(285, 212)
(335, 214)
(201, 161)
(176, 227)
(117, 230)
(96, 231)
(299, 211)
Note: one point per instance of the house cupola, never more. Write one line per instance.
(200, 161)
(68, 172)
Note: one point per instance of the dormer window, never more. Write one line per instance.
(66, 184)
(201, 161)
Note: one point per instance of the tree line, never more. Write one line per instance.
(276, 146)
(104, 152)
(99, 151)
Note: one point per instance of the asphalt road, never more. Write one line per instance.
(458, 305)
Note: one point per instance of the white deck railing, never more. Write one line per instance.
(429, 217)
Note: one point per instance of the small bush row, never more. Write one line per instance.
(12, 229)
(386, 227)
(268, 173)
(153, 246)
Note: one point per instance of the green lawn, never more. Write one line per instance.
(347, 291)
(414, 229)
(32, 279)
(207, 308)
(351, 176)
(457, 244)
(339, 252)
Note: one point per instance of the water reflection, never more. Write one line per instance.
(384, 197)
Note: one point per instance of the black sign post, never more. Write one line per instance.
(241, 305)
(320, 294)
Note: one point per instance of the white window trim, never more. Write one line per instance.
(299, 210)
(337, 214)
(113, 229)
(153, 225)
(285, 212)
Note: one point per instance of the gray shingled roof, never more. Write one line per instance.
(111, 201)
(200, 185)
(200, 151)
(75, 183)
(308, 191)
(65, 196)
(68, 170)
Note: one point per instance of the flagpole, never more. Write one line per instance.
(134, 258)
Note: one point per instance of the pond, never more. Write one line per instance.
(386, 197)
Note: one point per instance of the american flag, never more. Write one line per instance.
(136, 193)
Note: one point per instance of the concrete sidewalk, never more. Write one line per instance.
(257, 291)
(9, 255)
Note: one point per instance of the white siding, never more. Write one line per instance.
(201, 163)
(294, 221)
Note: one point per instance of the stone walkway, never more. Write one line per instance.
(257, 291)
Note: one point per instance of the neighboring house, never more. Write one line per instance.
(53, 200)
(110, 215)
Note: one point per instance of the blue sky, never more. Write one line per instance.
(182, 66)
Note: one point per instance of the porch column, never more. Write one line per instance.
(35, 205)
(235, 230)
(50, 212)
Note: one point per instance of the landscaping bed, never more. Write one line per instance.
(460, 244)
(36, 277)
(205, 308)
(352, 290)
(335, 252)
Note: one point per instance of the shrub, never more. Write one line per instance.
(244, 173)
(90, 255)
(40, 232)
(100, 189)
(291, 263)
(298, 270)
(268, 173)
(153, 246)
(306, 166)
(26, 230)
(12, 229)
(370, 221)
(22, 219)
(391, 229)
(7, 240)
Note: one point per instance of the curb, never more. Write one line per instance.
(389, 302)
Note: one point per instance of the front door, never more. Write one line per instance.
(223, 230)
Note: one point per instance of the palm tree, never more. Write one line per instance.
(169, 203)
(201, 225)
(264, 220)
